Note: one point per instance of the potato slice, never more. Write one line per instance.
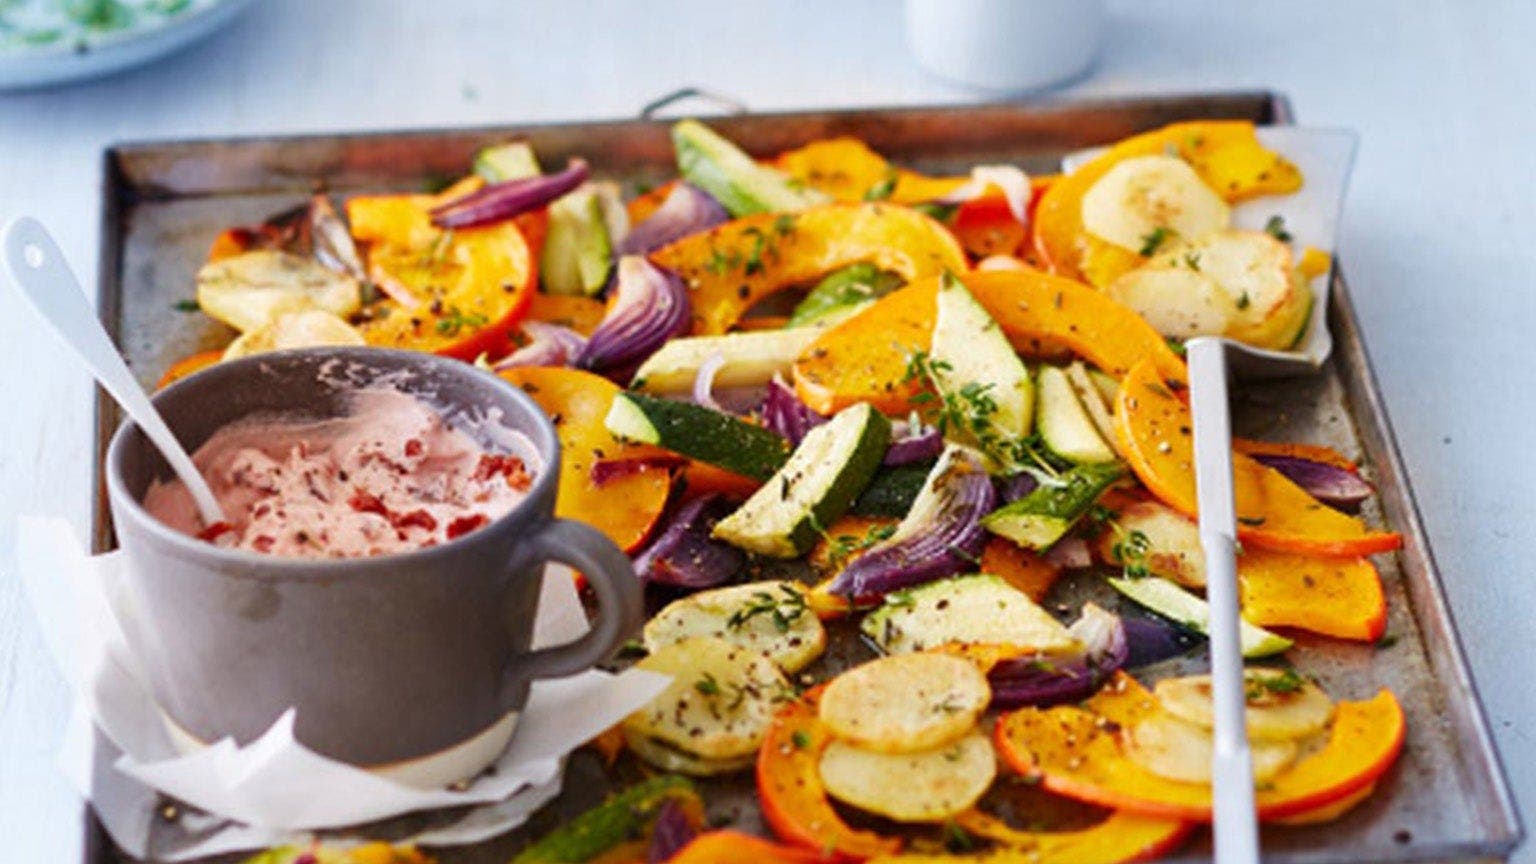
(770, 618)
(906, 702)
(925, 786)
(976, 609)
(1176, 300)
(1256, 271)
(1172, 542)
(1179, 750)
(1282, 705)
(305, 328)
(1146, 197)
(719, 704)
(249, 290)
(663, 756)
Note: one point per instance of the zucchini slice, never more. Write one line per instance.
(741, 185)
(718, 706)
(751, 358)
(925, 786)
(892, 490)
(905, 702)
(842, 294)
(698, 433)
(1183, 608)
(1045, 515)
(834, 463)
(979, 609)
(975, 369)
(770, 618)
(1065, 425)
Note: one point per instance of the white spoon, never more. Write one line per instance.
(38, 269)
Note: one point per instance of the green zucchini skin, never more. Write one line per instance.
(741, 185)
(698, 433)
(624, 816)
(892, 490)
(787, 515)
(843, 293)
(1045, 515)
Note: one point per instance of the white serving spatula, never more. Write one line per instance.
(1311, 216)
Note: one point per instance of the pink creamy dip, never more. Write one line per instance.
(389, 477)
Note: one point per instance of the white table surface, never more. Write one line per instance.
(1439, 234)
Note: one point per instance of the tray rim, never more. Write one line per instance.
(1507, 822)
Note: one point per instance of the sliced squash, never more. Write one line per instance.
(624, 508)
(771, 618)
(734, 266)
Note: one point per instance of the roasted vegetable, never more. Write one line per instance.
(905, 703)
(686, 210)
(649, 307)
(499, 201)
(768, 618)
(624, 817)
(683, 555)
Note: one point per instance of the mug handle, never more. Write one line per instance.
(620, 607)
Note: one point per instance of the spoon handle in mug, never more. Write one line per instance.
(38, 268)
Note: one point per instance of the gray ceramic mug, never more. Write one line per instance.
(414, 664)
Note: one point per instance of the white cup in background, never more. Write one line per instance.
(1011, 45)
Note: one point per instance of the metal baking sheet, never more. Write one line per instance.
(1446, 799)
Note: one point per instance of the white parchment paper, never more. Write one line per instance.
(117, 754)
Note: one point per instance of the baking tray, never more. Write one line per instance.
(1445, 800)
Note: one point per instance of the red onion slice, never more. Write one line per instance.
(669, 834)
(509, 198)
(914, 443)
(607, 470)
(784, 413)
(687, 210)
(1050, 681)
(1337, 487)
(940, 536)
(704, 382)
(683, 555)
(650, 306)
(548, 345)
(1009, 178)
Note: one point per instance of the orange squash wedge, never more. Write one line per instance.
(864, 359)
(1338, 597)
(187, 365)
(624, 508)
(1019, 567)
(1226, 154)
(1122, 837)
(467, 287)
(1153, 426)
(581, 314)
(733, 266)
(1312, 452)
(1076, 752)
(794, 802)
(734, 847)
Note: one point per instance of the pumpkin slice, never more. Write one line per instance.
(455, 292)
(1338, 597)
(866, 358)
(733, 266)
(624, 507)
(1226, 155)
(578, 312)
(1154, 429)
(1077, 752)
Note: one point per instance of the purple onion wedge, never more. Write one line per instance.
(914, 443)
(1153, 640)
(784, 413)
(509, 198)
(1054, 680)
(548, 345)
(704, 382)
(940, 536)
(1337, 487)
(1011, 489)
(687, 210)
(683, 555)
(669, 834)
(650, 306)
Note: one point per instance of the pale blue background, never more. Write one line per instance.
(1439, 239)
